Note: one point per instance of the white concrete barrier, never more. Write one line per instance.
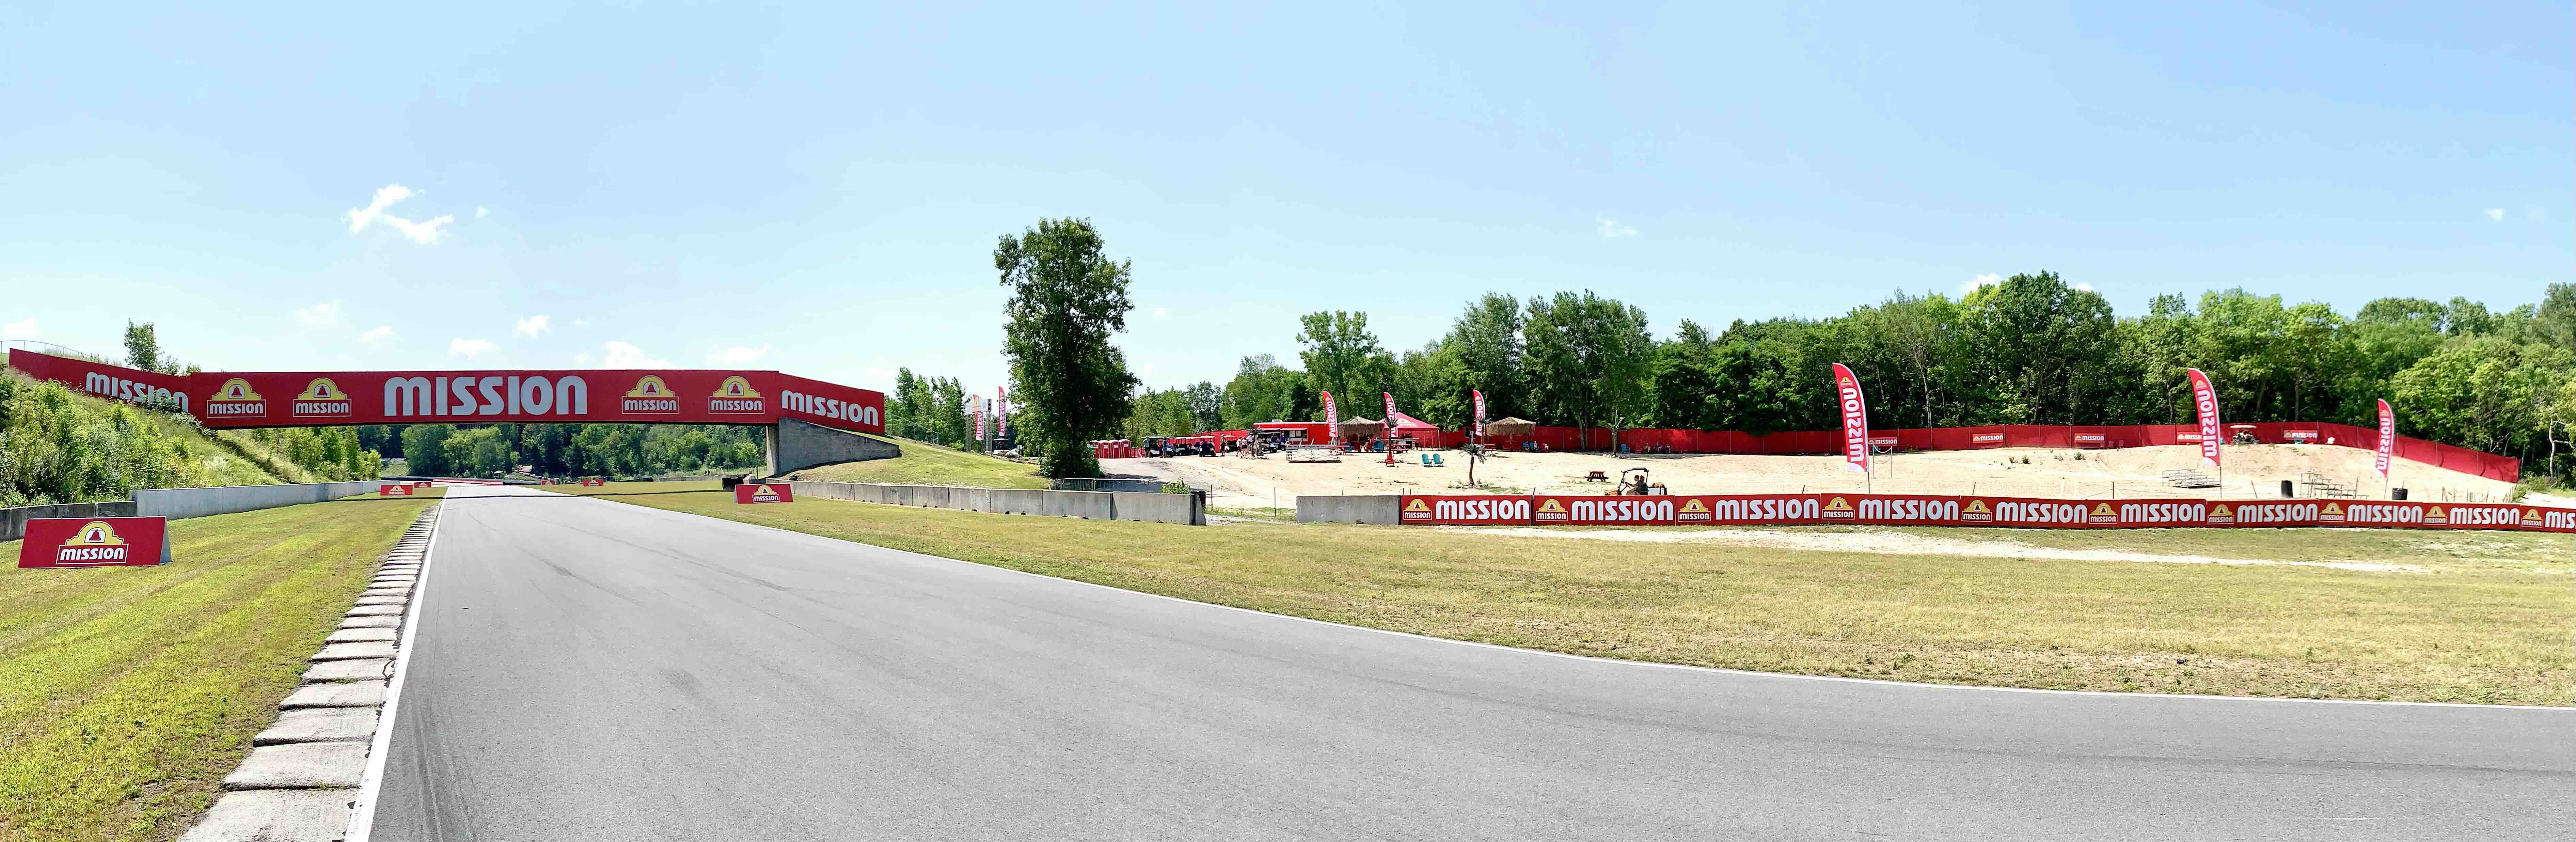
(1188, 509)
(224, 500)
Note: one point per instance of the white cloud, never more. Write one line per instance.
(622, 355)
(1612, 228)
(1162, 314)
(740, 355)
(2495, 214)
(581, 323)
(481, 211)
(2084, 287)
(324, 314)
(581, 359)
(1985, 280)
(880, 374)
(1143, 369)
(467, 347)
(531, 326)
(424, 233)
(378, 337)
(21, 329)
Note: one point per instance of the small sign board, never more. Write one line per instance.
(395, 490)
(593, 481)
(420, 483)
(95, 542)
(767, 492)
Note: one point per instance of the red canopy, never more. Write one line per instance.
(1406, 425)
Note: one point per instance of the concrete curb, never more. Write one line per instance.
(301, 781)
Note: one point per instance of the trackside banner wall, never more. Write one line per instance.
(95, 542)
(1937, 510)
(626, 396)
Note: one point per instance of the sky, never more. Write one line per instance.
(818, 188)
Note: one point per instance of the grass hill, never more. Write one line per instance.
(62, 446)
(923, 463)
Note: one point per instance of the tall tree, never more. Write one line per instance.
(142, 348)
(1487, 342)
(1344, 358)
(1067, 299)
(1589, 358)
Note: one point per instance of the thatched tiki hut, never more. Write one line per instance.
(1359, 428)
(1501, 427)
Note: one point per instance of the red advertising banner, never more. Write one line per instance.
(593, 481)
(765, 492)
(1001, 412)
(1390, 411)
(1480, 410)
(1855, 418)
(420, 483)
(2387, 438)
(631, 396)
(1332, 416)
(398, 489)
(2205, 400)
(1943, 510)
(95, 542)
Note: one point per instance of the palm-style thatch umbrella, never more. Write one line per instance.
(1359, 428)
(1510, 427)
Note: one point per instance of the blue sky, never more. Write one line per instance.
(817, 188)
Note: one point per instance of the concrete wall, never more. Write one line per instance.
(1090, 505)
(1148, 486)
(200, 502)
(13, 521)
(175, 503)
(1356, 508)
(795, 445)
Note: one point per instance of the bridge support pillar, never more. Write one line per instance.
(796, 445)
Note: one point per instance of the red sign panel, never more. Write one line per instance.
(285, 399)
(765, 492)
(95, 542)
(593, 481)
(396, 489)
(1943, 510)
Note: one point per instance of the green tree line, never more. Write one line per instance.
(563, 450)
(2031, 349)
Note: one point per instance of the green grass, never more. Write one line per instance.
(929, 464)
(128, 693)
(2472, 630)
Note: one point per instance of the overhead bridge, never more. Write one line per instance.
(809, 421)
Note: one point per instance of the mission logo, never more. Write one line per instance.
(736, 395)
(236, 400)
(94, 543)
(650, 397)
(322, 399)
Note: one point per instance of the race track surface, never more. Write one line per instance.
(586, 669)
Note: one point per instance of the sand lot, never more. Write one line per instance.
(2252, 470)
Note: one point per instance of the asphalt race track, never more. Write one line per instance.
(586, 669)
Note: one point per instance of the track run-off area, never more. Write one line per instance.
(589, 669)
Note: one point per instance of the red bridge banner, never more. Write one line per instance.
(1940, 510)
(619, 396)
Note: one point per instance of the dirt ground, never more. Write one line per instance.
(2252, 471)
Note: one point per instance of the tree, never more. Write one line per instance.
(142, 348)
(1263, 390)
(1589, 358)
(1486, 340)
(1067, 299)
(1344, 358)
(1206, 402)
